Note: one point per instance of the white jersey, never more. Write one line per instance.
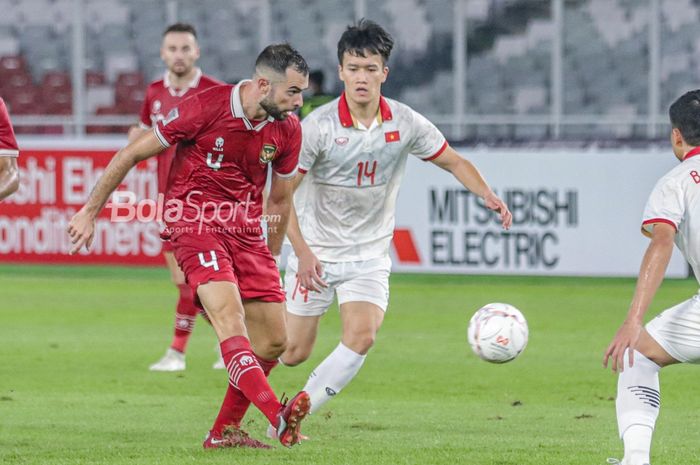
(675, 200)
(346, 203)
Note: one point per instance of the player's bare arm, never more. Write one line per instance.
(279, 205)
(469, 176)
(9, 176)
(651, 274)
(135, 132)
(82, 225)
(310, 269)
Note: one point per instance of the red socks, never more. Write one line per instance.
(247, 382)
(185, 316)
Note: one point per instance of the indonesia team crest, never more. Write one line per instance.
(268, 152)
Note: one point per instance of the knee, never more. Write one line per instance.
(277, 346)
(360, 343)
(295, 355)
(271, 348)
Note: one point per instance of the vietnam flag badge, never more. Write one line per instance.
(392, 136)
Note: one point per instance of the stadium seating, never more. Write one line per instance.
(508, 70)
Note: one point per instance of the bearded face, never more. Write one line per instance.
(273, 109)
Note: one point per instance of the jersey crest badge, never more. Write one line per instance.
(267, 154)
(341, 140)
(172, 116)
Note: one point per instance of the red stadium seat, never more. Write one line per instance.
(106, 129)
(57, 100)
(12, 64)
(94, 78)
(15, 80)
(24, 101)
(56, 80)
(132, 79)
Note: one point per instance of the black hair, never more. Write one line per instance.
(365, 37)
(279, 57)
(685, 116)
(181, 27)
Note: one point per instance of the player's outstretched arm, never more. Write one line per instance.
(651, 274)
(310, 269)
(9, 176)
(469, 176)
(82, 225)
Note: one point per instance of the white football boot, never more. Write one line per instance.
(171, 361)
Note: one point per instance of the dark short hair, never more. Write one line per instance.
(279, 57)
(685, 116)
(365, 37)
(181, 27)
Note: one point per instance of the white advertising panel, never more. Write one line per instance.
(575, 212)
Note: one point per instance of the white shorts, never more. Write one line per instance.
(363, 281)
(677, 330)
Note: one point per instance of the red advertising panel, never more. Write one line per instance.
(54, 185)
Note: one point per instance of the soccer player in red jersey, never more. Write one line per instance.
(227, 138)
(9, 173)
(180, 52)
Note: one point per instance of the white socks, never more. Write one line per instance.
(332, 375)
(638, 401)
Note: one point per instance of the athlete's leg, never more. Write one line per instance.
(363, 295)
(301, 337)
(266, 329)
(185, 317)
(304, 311)
(672, 337)
(361, 322)
(224, 307)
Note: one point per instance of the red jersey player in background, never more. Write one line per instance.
(179, 51)
(9, 173)
(231, 136)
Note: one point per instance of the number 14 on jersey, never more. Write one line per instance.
(366, 171)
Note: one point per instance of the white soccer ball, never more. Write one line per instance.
(497, 332)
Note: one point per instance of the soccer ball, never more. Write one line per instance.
(497, 332)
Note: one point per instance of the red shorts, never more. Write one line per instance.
(243, 260)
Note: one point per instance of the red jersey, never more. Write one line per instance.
(161, 97)
(221, 162)
(8, 143)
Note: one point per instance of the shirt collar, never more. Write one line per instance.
(347, 120)
(190, 85)
(237, 109)
(692, 153)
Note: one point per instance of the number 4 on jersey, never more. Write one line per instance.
(211, 263)
(363, 171)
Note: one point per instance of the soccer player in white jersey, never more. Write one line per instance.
(638, 352)
(353, 156)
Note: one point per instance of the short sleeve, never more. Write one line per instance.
(427, 142)
(145, 115)
(182, 123)
(311, 143)
(286, 164)
(8, 143)
(665, 205)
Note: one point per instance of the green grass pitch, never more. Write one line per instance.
(75, 344)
